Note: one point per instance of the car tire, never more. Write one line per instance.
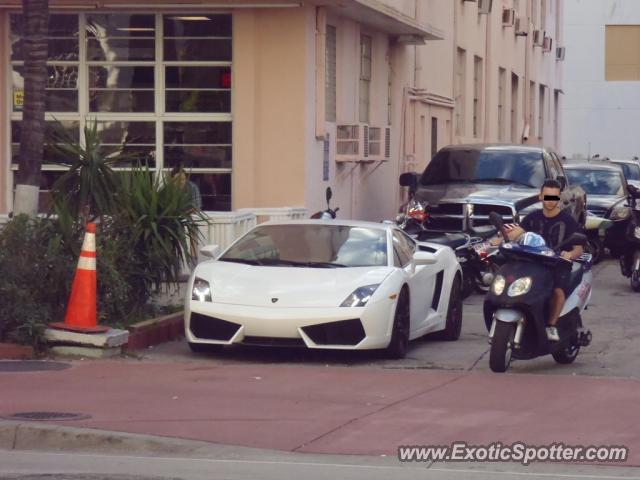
(399, 343)
(453, 325)
(204, 347)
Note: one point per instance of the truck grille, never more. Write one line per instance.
(453, 217)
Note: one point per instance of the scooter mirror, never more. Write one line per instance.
(328, 194)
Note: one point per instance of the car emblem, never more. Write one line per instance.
(274, 300)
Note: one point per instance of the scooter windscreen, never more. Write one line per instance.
(531, 246)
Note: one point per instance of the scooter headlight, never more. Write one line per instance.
(620, 213)
(520, 287)
(498, 285)
(636, 232)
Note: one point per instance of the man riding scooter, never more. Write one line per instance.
(555, 226)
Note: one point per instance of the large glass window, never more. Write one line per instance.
(159, 86)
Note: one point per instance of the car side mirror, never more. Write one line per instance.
(563, 181)
(409, 179)
(424, 258)
(211, 251)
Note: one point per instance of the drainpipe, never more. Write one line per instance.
(487, 71)
(528, 45)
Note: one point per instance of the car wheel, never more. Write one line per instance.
(204, 347)
(453, 326)
(399, 343)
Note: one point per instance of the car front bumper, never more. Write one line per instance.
(340, 328)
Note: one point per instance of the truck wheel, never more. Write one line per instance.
(501, 346)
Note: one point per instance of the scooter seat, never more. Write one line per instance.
(577, 272)
(452, 240)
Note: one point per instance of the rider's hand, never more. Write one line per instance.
(495, 241)
(566, 255)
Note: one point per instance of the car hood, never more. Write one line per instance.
(517, 195)
(239, 284)
(599, 203)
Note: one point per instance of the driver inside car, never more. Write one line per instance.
(555, 226)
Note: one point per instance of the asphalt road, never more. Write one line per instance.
(612, 317)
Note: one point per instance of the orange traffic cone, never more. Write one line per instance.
(81, 311)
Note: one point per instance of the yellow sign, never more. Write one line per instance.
(18, 100)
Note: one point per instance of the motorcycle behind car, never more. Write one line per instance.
(329, 213)
(630, 260)
(475, 253)
(516, 307)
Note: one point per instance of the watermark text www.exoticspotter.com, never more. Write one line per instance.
(516, 452)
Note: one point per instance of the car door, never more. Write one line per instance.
(420, 278)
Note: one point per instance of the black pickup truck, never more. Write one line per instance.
(463, 183)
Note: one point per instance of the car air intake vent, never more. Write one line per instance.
(345, 332)
(210, 328)
(273, 341)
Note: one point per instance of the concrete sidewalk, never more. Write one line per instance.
(331, 410)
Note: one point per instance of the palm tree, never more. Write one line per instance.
(36, 24)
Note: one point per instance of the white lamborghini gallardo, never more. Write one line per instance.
(324, 284)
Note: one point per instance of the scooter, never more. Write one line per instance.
(516, 307)
(476, 255)
(595, 227)
(327, 214)
(630, 260)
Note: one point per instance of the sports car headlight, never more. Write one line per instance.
(201, 290)
(498, 285)
(360, 297)
(520, 287)
(620, 213)
(636, 232)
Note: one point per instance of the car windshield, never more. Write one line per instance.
(596, 182)
(631, 171)
(311, 246)
(500, 165)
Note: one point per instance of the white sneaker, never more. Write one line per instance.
(552, 334)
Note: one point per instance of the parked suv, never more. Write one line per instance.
(464, 183)
(631, 169)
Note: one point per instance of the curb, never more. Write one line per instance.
(55, 438)
(155, 331)
(13, 351)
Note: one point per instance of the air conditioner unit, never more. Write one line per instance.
(560, 51)
(484, 6)
(508, 17)
(538, 37)
(547, 44)
(520, 27)
(352, 142)
(379, 143)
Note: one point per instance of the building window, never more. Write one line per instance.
(460, 84)
(366, 50)
(622, 53)
(502, 91)
(161, 84)
(477, 96)
(532, 109)
(515, 136)
(330, 74)
(541, 107)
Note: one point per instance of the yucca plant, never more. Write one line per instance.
(88, 188)
(158, 216)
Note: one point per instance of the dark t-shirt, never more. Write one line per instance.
(554, 230)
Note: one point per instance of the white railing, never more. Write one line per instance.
(226, 227)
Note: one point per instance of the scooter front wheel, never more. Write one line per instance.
(501, 346)
(635, 280)
(566, 355)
